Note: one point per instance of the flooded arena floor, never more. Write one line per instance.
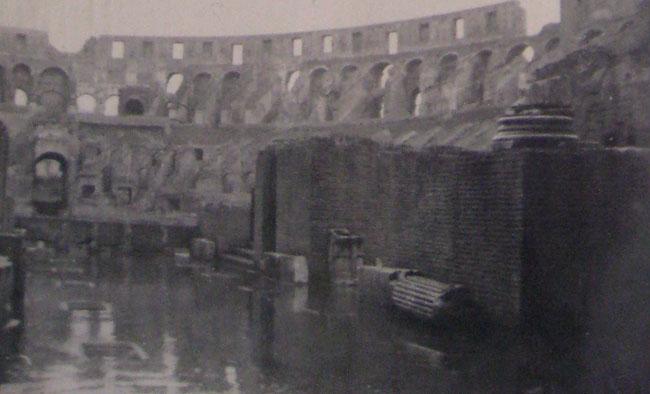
(152, 329)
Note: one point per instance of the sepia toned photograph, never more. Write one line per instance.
(325, 196)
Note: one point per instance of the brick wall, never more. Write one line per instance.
(453, 214)
(529, 232)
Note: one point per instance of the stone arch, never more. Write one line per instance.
(49, 188)
(292, 80)
(411, 83)
(379, 75)
(199, 98)
(134, 107)
(174, 83)
(552, 44)
(448, 67)
(520, 51)
(86, 104)
(319, 89)
(480, 68)
(54, 89)
(379, 78)
(230, 93)
(112, 106)
(590, 35)
(22, 79)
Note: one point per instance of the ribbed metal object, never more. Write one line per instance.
(536, 126)
(420, 296)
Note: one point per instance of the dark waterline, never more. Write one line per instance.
(235, 334)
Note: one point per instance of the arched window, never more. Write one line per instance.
(415, 103)
(522, 51)
(385, 76)
(86, 104)
(448, 67)
(20, 98)
(292, 80)
(174, 83)
(412, 84)
(112, 106)
(133, 107)
(54, 89)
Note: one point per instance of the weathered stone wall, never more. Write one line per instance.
(530, 232)
(454, 214)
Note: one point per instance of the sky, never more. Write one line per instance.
(71, 22)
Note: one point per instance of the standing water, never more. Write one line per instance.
(153, 329)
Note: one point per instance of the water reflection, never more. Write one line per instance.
(227, 333)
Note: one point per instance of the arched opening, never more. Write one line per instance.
(133, 107)
(199, 98)
(552, 44)
(412, 84)
(318, 95)
(589, 36)
(478, 77)
(292, 80)
(49, 185)
(380, 75)
(112, 106)
(522, 51)
(22, 78)
(229, 96)
(448, 68)
(20, 98)
(54, 89)
(415, 103)
(174, 83)
(86, 104)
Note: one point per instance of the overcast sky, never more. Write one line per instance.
(70, 21)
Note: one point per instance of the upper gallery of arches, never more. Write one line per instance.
(492, 22)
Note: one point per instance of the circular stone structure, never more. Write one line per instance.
(536, 126)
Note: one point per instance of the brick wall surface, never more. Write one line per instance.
(529, 232)
(453, 214)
